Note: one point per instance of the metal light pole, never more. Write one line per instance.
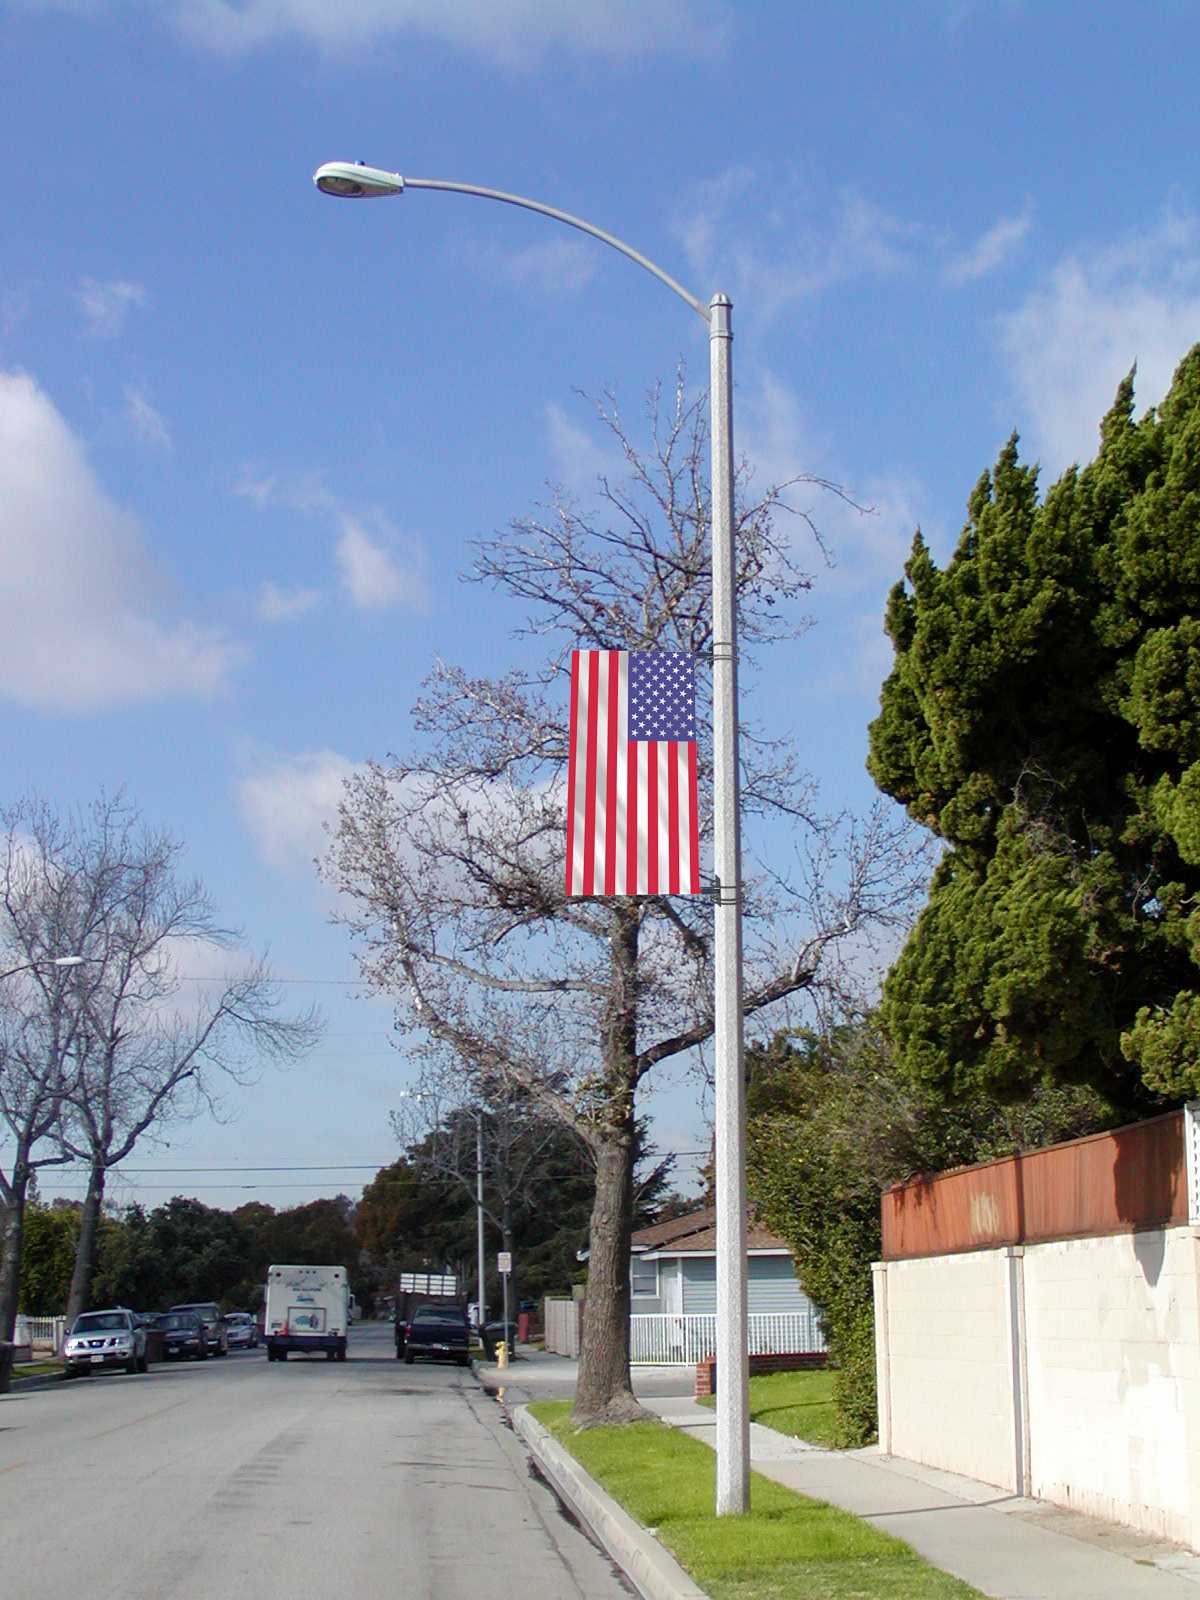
(353, 180)
(481, 1262)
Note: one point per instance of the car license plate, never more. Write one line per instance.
(96, 1360)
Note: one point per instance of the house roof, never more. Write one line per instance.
(696, 1234)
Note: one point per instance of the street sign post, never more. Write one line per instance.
(504, 1267)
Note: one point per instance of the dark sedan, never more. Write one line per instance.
(440, 1333)
(184, 1336)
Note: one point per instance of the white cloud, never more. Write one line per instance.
(556, 265)
(286, 803)
(82, 601)
(380, 568)
(379, 573)
(866, 536)
(787, 252)
(148, 426)
(15, 308)
(1094, 315)
(990, 252)
(517, 33)
(280, 605)
(581, 456)
(106, 306)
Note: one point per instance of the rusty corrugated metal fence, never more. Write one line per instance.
(1117, 1182)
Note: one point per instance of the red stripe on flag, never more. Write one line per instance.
(571, 773)
(673, 816)
(610, 809)
(589, 819)
(693, 819)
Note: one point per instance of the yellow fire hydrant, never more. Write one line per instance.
(502, 1353)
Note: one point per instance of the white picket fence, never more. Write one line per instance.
(42, 1333)
(668, 1340)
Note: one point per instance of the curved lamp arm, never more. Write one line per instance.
(354, 181)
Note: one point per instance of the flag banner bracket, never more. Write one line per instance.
(722, 894)
(720, 652)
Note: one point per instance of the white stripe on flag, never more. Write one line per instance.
(622, 845)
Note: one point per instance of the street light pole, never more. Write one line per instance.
(482, 1264)
(354, 180)
(733, 1332)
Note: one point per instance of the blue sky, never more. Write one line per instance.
(246, 433)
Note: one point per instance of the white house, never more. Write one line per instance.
(673, 1282)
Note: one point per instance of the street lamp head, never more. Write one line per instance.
(352, 180)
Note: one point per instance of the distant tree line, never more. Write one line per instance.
(185, 1251)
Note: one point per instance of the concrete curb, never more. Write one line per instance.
(41, 1380)
(655, 1574)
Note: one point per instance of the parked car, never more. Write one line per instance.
(184, 1336)
(209, 1313)
(241, 1330)
(100, 1339)
(440, 1332)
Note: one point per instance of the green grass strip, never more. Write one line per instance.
(799, 1404)
(36, 1369)
(786, 1546)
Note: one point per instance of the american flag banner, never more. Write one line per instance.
(631, 789)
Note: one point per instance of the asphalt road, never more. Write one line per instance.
(306, 1478)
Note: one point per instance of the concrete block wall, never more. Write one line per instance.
(1068, 1370)
(1114, 1378)
(950, 1377)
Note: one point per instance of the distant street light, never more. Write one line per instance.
(43, 961)
(356, 181)
(481, 1263)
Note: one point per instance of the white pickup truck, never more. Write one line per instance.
(308, 1308)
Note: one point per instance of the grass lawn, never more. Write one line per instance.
(36, 1369)
(796, 1403)
(787, 1546)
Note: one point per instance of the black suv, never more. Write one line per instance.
(209, 1313)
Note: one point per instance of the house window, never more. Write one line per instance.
(643, 1277)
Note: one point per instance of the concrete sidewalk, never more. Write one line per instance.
(1008, 1548)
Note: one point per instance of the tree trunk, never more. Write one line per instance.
(603, 1390)
(14, 1233)
(85, 1250)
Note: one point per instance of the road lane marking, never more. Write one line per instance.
(133, 1422)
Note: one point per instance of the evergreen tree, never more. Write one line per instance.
(1042, 719)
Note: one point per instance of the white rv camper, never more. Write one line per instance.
(308, 1308)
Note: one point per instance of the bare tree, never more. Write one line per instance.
(46, 912)
(502, 1142)
(517, 1151)
(155, 1045)
(104, 1039)
(453, 858)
